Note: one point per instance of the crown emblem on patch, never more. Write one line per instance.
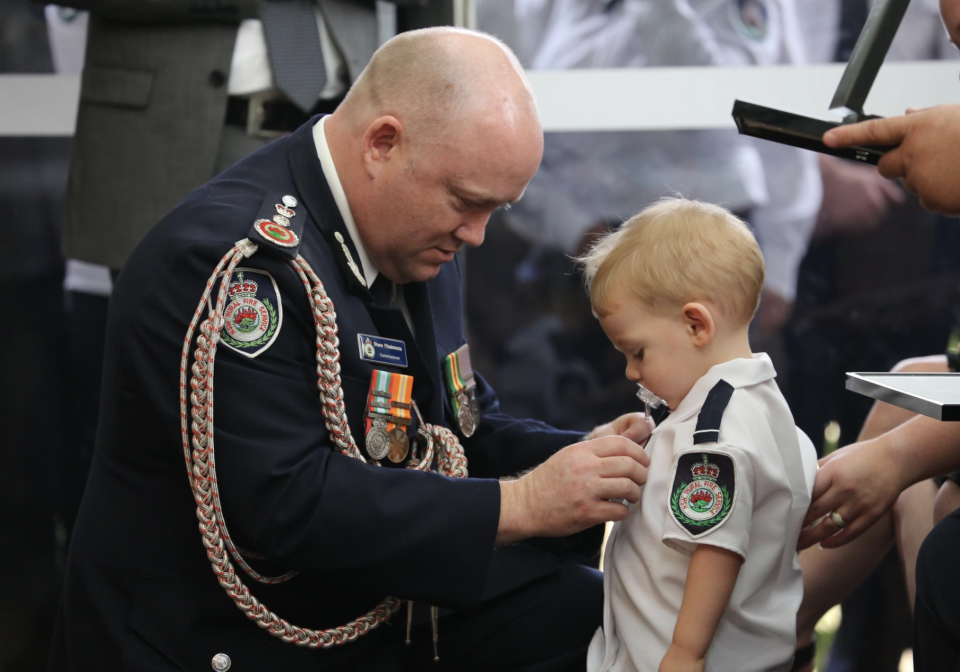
(242, 288)
(705, 469)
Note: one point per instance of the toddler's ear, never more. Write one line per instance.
(699, 324)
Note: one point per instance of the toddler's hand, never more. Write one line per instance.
(680, 660)
(634, 426)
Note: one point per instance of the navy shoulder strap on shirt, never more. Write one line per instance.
(708, 422)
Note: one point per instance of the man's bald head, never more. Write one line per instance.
(435, 79)
(440, 130)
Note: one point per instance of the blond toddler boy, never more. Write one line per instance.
(703, 573)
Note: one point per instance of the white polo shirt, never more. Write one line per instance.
(747, 492)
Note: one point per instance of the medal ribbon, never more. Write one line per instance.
(400, 389)
(459, 375)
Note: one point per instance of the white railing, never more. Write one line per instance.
(588, 100)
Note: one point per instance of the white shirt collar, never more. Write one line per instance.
(740, 372)
(370, 272)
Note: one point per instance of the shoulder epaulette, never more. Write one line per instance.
(708, 422)
(279, 225)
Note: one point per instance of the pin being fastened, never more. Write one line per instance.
(651, 402)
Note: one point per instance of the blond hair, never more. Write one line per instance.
(675, 252)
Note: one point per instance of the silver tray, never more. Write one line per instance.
(936, 395)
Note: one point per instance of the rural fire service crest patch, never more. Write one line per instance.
(253, 315)
(704, 491)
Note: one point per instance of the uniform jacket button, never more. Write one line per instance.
(217, 79)
(221, 662)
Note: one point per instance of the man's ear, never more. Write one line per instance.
(699, 324)
(381, 143)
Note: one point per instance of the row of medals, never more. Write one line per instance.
(395, 444)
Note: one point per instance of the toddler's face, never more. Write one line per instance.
(659, 350)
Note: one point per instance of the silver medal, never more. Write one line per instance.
(289, 201)
(475, 410)
(466, 417)
(378, 441)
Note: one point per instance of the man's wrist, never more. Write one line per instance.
(514, 521)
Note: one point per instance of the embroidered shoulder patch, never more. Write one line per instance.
(254, 314)
(704, 491)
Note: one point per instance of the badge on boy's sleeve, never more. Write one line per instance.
(704, 491)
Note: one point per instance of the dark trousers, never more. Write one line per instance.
(936, 620)
(544, 626)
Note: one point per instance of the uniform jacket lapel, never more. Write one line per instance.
(422, 356)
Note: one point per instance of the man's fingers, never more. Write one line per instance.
(638, 429)
(891, 166)
(607, 511)
(621, 466)
(892, 191)
(618, 488)
(609, 446)
(890, 131)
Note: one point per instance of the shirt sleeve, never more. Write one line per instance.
(710, 500)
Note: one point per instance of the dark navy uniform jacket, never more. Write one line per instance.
(139, 592)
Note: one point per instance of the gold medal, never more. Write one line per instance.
(399, 446)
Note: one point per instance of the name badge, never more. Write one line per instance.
(382, 350)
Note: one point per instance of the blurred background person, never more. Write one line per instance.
(183, 92)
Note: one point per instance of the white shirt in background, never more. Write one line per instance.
(250, 68)
(587, 177)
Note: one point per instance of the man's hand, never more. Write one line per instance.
(678, 659)
(573, 490)
(928, 156)
(860, 482)
(635, 426)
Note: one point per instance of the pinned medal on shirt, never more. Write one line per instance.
(389, 413)
(462, 387)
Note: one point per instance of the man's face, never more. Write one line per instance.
(436, 198)
(660, 353)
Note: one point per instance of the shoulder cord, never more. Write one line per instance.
(201, 467)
